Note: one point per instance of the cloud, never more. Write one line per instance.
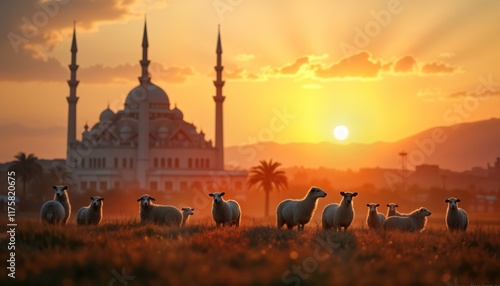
(45, 23)
(363, 65)
(22, 131)
(300, 68)
(406, 64)
(410, 65)
(23, 67)
(360, 65)
(438, 68)
(244, 57)
(32, 27)
(105, 74)
(234, 73)
(178, 74)
(238, 73)
(294, 67)
(480, 93)
(101, 74)
(354, 67)
(447, 55)
(171, 74)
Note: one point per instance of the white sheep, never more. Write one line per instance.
(158, 214)
(92, 214)
(374, 219)
(456, 218)
(186, 212)
(391, 211)
(298, 212)
(415, 221)
(225, 212)
(338, 216)
(50, 211)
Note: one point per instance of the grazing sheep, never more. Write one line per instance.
(298, 212)
(374, 219)
(92, 214)
(225, 212)
(158, 214)
(338, 216)
(456, 218)
(186, 212)
(391, 211)
(415, 221)
(50, 213)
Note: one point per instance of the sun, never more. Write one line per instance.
(341, 132)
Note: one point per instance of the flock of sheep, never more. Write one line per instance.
(290, 212)
(337, 216)
(58, 211)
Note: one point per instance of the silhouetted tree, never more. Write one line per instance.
(27, 168)
(267, 176)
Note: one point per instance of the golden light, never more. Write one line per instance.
(341, 132)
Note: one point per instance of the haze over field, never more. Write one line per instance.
(291, 76)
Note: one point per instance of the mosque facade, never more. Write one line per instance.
(148, 144)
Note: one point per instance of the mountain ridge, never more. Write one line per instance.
(455, 147)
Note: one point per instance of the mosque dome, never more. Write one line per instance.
(151, 92)
(177, 113)
(85, 134)
(107, 114)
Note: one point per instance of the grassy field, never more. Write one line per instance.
(123, 252)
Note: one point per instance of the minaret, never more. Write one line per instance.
(219, 99)
(71, 158)
(72, 98)
(143, 136)
(144, 78)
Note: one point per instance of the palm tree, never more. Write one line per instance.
(267, 177)
(27, 168)
(59, 173)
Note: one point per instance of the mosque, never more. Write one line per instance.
(148, 144)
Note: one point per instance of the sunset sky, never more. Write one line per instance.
(294, 69)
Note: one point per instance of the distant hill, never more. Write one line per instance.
(457, 147)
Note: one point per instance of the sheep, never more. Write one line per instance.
(50, 211)
(298, 212)
(186, 212)
(391, 211)
(415, 221)
(92, 214)
(374, 219)
(225, 212)
(338, 216)
(158, 214)
(456, 218)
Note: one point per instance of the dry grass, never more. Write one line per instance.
(255, 254)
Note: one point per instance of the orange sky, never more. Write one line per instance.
(384, 69)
